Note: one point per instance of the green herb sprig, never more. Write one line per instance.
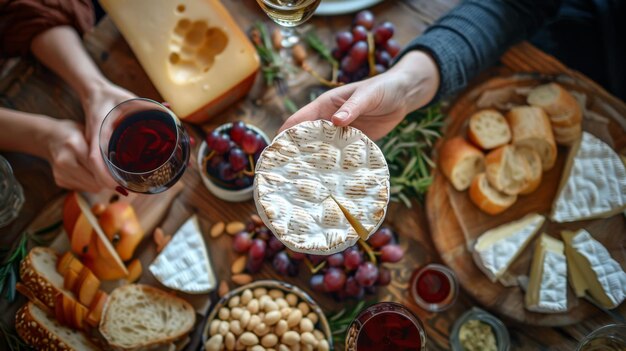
(340, 321)
(272, 65)
(407, 149)
(11, 339)
(318, 45)
(10, 269)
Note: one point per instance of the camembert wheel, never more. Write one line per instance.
(319, 187)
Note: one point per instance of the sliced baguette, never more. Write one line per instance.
(567, 135)
(44, 333)
(488, 199)
(507, 170)
(534, 161)
(558, 103)
(460, 162)
(139, 316)
(531, 128)
(488, 129)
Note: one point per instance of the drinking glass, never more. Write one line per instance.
(144, 145)
(11, 194)
(386, 326)
(289, 14)
(611, 337)
(434, 287)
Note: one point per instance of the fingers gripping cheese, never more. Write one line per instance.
(315, 181)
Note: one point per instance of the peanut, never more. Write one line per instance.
(257, 348)
(272, 317)
(323, 345)
(246, 296)
(217, 229)
(294, 318)
(258, 292)
(233, 302)
(214, 325)
(275, 294)
(270, 306)
(308, 338)
(235, 327)
(249, 339)
(224, 313)
(313, 317)
(229, 341)
(304, 307)
(269, 340)
(319, 335)
(292, 299)
(261, 329)
(245, 318)
(254, 321)
(281, 327)
(223, 328)
(214, 343)
(306, 325)
(236, 312)
(253, 306)
(290, 338)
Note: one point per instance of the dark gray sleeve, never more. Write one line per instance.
(476, 33)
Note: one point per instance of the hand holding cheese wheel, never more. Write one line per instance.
(460, 162)
(489, 129)
(531, 128)
(488, 199)
(507, 170)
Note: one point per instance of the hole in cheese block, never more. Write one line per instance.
(180, 8)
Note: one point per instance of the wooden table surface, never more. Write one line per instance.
(28, 86)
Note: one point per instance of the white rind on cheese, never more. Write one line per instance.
(497, 248)
(184, 263)
(600, 275)
(547, 289)
(306, 164)
(593, 185)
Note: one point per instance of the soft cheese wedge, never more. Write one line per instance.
(319, 187)
(593, 183)
(497, 248)
(592, 269)
(547, 288)
(184, 263)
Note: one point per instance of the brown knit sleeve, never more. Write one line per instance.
(22, 20)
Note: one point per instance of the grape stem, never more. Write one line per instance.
(314, 269)
(371, 46)
(251, 171)
(368, 250)
(322, 80)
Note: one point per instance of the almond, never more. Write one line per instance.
(241, 279)
(223, 289)
(233, 228)
(256, 219)
(239, 265)
(217, 229)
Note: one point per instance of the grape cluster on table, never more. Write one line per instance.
(352, 49)
(232, 154)
(347, 274)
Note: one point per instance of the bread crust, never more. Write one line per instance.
(482, 200)
(531, 128)
(37, 335)
(534, 179)
(474, 136)
(40, 286)
(452, 152)
(495, 163)
(563, 106)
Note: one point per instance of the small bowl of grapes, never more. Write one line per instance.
(227, 158)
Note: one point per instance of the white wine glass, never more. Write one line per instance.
(288, 14)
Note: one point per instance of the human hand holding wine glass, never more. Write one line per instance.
(289, 14)
(144, 145)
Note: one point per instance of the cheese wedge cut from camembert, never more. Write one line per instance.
(319, 187)
(592, 269)
(593, 183)
(547, 287)
(497, 248)
(184, 263)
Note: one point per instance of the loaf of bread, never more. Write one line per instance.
(140, 316)
(38, 273)
(507, 170)
(530, 127)
(534, 162)
(560, 105)
(44, 333)
(460, 162)
(488, 199)
(488, 129)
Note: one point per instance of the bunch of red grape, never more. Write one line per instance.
(232, 153)
(352, 49)
(348, 274)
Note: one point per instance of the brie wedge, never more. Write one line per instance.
(547, 288)
(593, 270)
(184, 263)
(593, 183)
(497, 248)
(319, 187)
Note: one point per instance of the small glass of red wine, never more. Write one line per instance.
(434, 287)
(144, 145)
(386, 326)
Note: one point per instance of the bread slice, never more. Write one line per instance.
(488, 199)
(44, 333)
(38, 273)
(139, 316)
(567, 135)
(507, 170)
(488, 129)
(558, 103)
(460, 162)
(534, 162)
(531, 128)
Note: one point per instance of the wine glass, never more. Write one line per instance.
(144, 145)
(289, 14)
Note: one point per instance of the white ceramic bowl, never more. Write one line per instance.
(225, 194)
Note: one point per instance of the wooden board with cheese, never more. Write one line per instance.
(459, 217)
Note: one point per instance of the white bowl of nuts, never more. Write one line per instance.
(267, 315)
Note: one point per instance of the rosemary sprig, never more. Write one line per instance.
(272, 65)
(340, 321)
(318, 45)
(407, 149)
(9, 271)
(11, 339)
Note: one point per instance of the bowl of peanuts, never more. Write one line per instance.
(267, 315)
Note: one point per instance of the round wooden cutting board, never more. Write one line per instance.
(455, 222)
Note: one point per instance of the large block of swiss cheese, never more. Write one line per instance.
(192, 50)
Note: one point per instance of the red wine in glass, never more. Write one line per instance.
(144, 146)
(434, 287)
(386, 326)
